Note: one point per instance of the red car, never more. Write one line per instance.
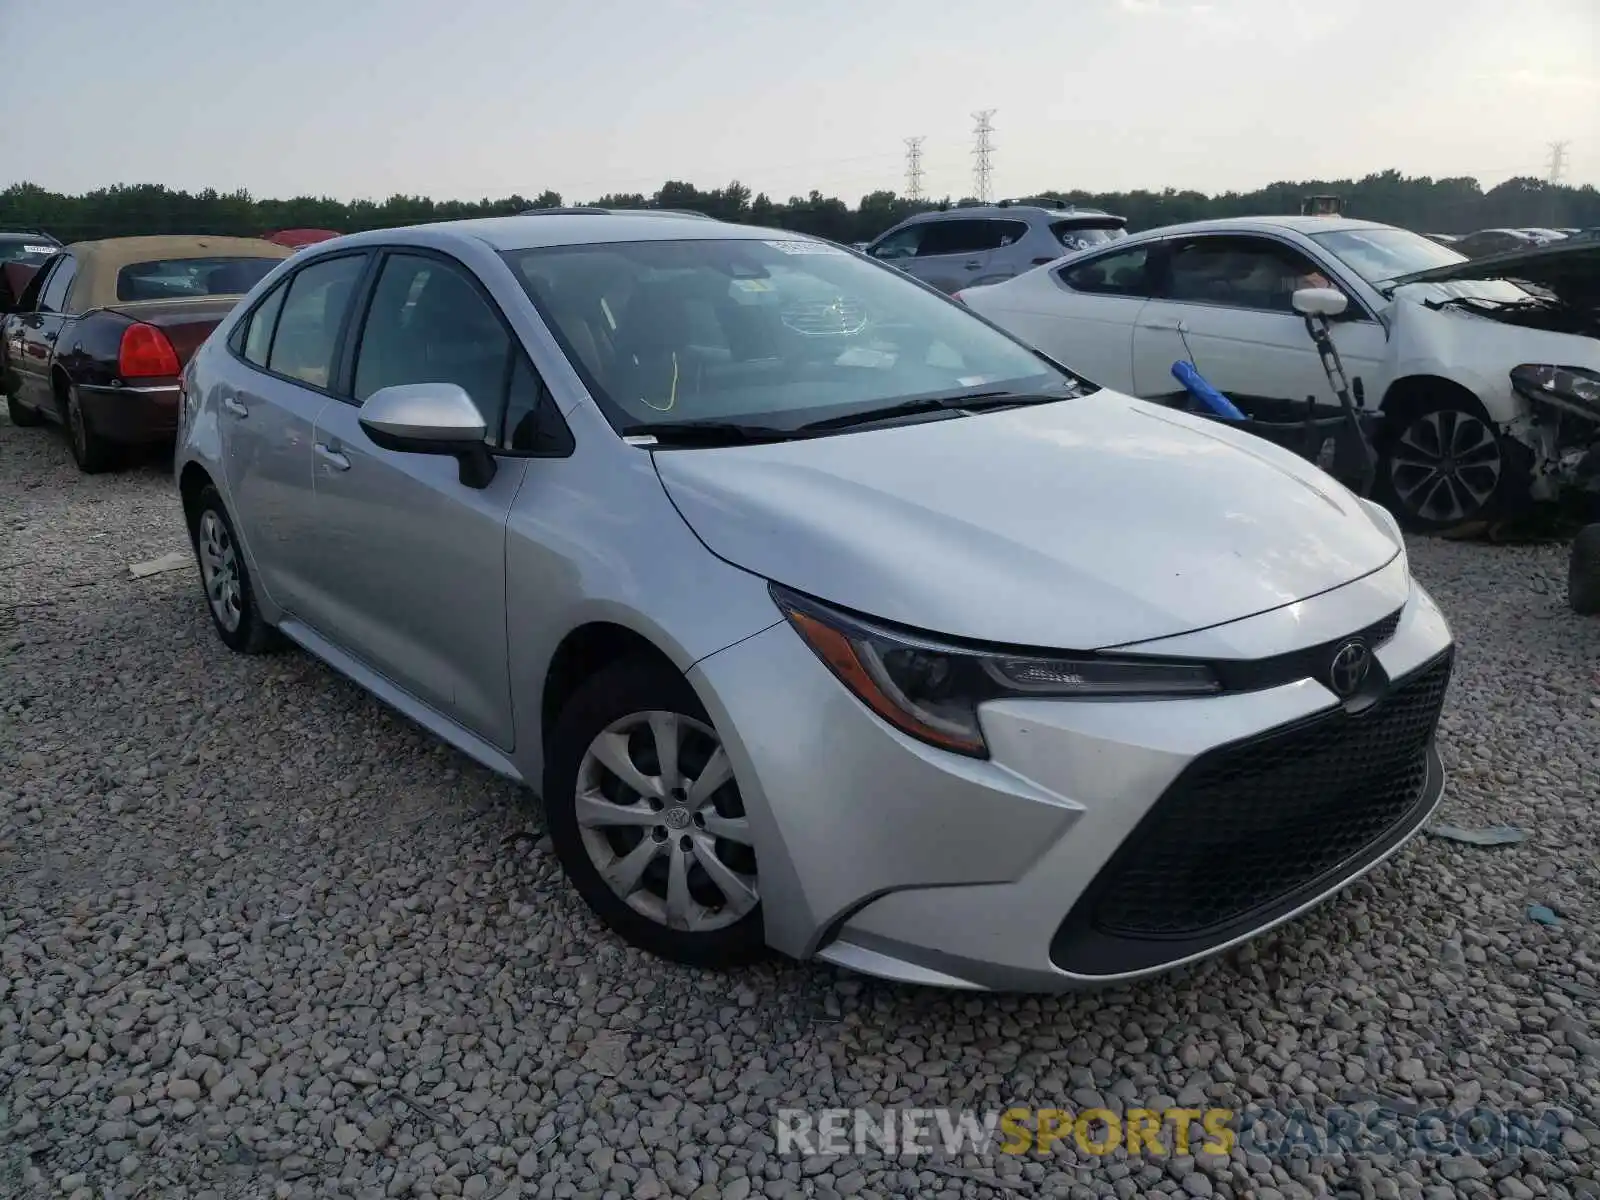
(100, 334)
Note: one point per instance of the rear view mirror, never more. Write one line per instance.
(1320, 302)
(431, 418)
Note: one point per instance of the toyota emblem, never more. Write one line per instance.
(1348, 670)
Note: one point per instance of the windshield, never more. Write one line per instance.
(776, 332)
(1379, 255)
(31, 251)
(177, 278)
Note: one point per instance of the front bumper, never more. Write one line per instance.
(1086, 849)
(132, 415)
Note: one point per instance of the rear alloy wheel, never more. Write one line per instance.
(1446, 466)
(21, 415)
(90, 451)
(230, 597)
(647, 818)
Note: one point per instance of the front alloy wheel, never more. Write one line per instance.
(648, 821)
(662, 822)
(1444, 467)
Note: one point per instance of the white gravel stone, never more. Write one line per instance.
(261, 937)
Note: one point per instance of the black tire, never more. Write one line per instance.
(1583, 572)
(1489, 481)
(250, 634)
(21, 415)
(618, 692)
(90, 451)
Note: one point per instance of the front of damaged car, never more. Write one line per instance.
(1522, 332)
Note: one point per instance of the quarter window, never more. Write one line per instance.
(310, 319)
(1238, 272)
(258, 331)
(1125, 273)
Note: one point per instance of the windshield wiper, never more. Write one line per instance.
(707, 433)
(965, 402)
(1489, 303)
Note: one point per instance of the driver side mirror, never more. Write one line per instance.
(1320, 302)
(431, 418)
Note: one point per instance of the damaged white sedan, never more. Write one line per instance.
(1487, 371)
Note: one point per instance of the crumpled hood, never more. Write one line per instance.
(1570, 269)
(1084, 524)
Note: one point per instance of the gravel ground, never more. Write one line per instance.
(260, 937)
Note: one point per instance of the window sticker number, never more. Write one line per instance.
(799, 247)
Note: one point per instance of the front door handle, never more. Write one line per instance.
(234, 407)
(1167, 325)
(331, 456)
(973, 265)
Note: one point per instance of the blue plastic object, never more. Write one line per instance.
(1194, 383)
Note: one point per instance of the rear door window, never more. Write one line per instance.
(311, 319)
(53, 296)
(958, 237)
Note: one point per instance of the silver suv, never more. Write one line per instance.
(962, 247)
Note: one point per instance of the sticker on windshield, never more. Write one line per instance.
(799, 247)
(864, 356)
(753, 285)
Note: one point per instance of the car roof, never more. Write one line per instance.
(996, 211)
(1295, 224)
(529, 232)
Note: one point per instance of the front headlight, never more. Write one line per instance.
(932, 690)
(1572, 389)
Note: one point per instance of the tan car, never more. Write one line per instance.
(100, 334)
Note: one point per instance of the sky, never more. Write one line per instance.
(462, 99)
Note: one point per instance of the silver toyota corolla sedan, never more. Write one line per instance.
(823, 615)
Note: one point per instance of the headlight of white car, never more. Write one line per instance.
(931, 689)
(1572, 389)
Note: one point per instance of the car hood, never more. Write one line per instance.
(1084, 524)
(1568, 269)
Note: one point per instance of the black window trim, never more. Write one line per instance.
(339, 339)
(59, 263)
(1358, 312)
(37, 281)
(350, 346)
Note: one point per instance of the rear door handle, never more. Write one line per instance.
(50, 337)
(331, 456)
(234, 407)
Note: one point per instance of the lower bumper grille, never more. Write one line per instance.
(1250, 831)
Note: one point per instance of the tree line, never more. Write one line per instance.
(1457, 205)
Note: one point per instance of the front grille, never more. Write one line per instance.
(1256, 674)
(827, 318)
(1250, 830)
